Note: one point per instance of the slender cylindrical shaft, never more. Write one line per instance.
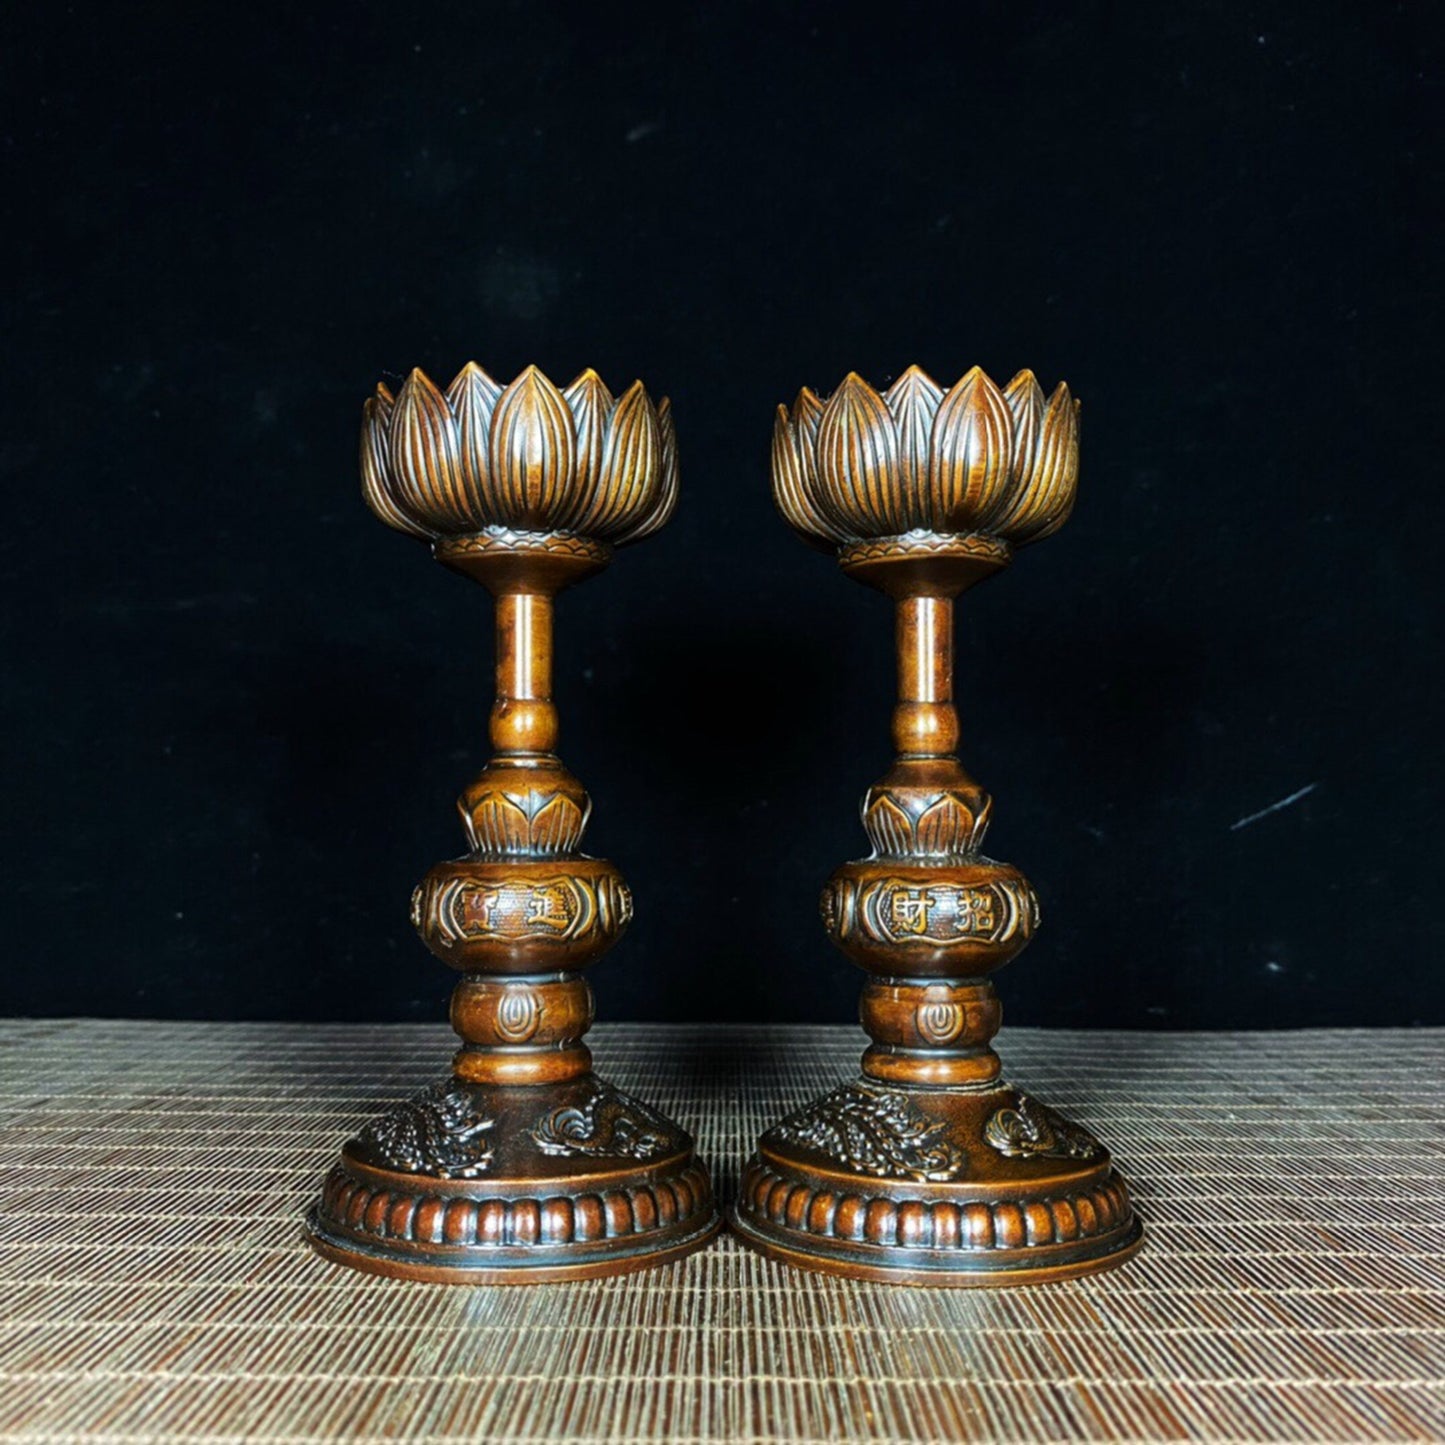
(924, 722)
(524, 719)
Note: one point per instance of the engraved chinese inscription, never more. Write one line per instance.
(560, 907)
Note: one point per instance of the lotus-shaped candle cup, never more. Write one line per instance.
(963, 476)
(462, 467)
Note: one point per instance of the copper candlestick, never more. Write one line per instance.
(522, 1165)
(929, 1168)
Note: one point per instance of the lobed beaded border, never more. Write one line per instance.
(419, 1218)
(934, 1224)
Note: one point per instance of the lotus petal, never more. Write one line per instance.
(1025, 400)
(858, 461)
(591, 405)
(557, 825)
(532, 451)
(375, 455)
(666, 503)
(980, 824)
(807, 416)
(498, 825)
(969, 454)
(790, 493)
(945, 830)
(631, 475)
(425, 466)
(1047, 493)
(889, 826)
(913, 399)
(1026, 405)
(472, 397)
(788, 477)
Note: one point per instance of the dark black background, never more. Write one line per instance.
(237, 708)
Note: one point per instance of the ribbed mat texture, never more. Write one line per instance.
(154, 1284)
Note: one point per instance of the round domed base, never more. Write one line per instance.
(952, 1187)
(482, 1184)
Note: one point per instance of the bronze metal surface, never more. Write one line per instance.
(523, 1166)
(929, 1168)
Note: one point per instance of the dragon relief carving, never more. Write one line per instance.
(436, 1133)
(874, 1132)
(608, 1125)
(1032, 1131)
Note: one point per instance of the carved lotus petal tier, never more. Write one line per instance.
(521, 809)
(525, 458)
(982, 467)
(918, 823)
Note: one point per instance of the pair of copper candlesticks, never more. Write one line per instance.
(523, 1165)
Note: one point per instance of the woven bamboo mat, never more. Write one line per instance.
(153, 1283)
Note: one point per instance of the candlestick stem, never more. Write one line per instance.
(925, 723)
(524, 717)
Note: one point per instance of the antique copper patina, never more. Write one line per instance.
(930, 1168)
(522, 1165)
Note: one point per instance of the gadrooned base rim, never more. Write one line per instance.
(894, 1266)
(538, 1267)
